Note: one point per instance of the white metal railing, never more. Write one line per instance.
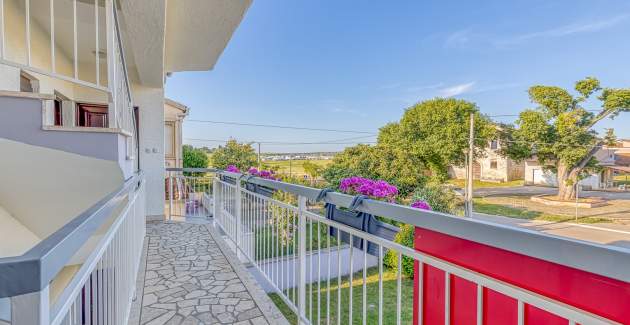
(322, 271)
(102, 290)
(188, 195)
(33, 34)
(101, 287)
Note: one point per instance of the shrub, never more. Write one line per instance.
(404, 237)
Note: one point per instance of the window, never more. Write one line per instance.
(58, 108)
(92, 115)
(494, 145)
(28, 83)
(169, 139)
(493, 164)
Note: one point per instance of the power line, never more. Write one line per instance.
(281, 127)
(278, 142)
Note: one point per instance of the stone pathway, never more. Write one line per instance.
(189, 280)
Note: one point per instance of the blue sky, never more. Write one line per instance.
(358, 64)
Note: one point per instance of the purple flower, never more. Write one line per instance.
(376, 189)
(253, 171)
(262, 173)
(422, 205)
(233, 169)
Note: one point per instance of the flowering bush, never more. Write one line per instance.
(405, 237)
(422, 205)
(233, 169)
(268, 174)
(377, 189)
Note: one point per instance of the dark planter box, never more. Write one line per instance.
(361, 221)
(262, 190)
(380, 229)
(228, 180)
(349, 218)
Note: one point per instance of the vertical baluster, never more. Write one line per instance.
(295, 255)
(380, 284)
(351, 275)
(75, 44)
(2, 36)
(420, 292)
(53, 66)
(447, 298)
(338, 276)
(399, 289)
(521, 313)
(479, 304)
(310, 272)
(302, 258)
(27, 5)
(328, 276)
(365, 243)
(96, 54)
(319, 270)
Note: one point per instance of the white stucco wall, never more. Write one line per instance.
(44, 188)
(150, 102)
(15, 238)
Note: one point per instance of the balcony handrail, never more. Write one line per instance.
(33, 270)
(122, 50)
(608, 261)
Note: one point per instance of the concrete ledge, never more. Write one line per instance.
(21, 94)
(155, 218)
(586, 205)
(85, 129)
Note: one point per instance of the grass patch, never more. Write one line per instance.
(296, 166)
(481, 206)
(372, 294)
(268, 244)
(461, 183)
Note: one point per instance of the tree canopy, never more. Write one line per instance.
(430, 136)
(194, 157)
(559, 131)
(241, 155)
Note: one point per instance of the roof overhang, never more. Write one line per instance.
(183, 108)
(197, 31)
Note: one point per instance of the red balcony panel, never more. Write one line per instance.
(535, 315)
(434, 295)
(597, 294)
(463, 301)
(499, 309)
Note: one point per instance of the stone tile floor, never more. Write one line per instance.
(188, 279)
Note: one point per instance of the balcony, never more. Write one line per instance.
(231, 251)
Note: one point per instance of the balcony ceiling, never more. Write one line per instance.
(197, 31)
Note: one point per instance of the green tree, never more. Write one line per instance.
(312, 169)
(559, 132)
(241, 155)
(436, 132)
(194, 157)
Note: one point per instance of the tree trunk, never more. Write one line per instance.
(566, 181)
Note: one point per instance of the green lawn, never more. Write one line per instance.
(461, 183)
(295, 166)
(268, 245)
(622, 179)
(389, 299)
(480, 205)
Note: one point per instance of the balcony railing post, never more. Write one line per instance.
(239, 217)
(111, 63)
(170, 196)
(302, 259)
(31, 308)
(216, 199)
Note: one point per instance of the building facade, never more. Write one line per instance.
(174, 115)
(492, 167)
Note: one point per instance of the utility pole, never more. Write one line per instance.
(259, 164)
(471, 159)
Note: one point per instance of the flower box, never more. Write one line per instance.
(227, 179)
(349, 218)
(262, 190)
(380, 229)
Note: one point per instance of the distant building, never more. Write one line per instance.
(613, 160)
(492, 167)
(174, 114)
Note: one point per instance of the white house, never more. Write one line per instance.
(612, 159)
(82, 111)
(174, 115)
(491, 167)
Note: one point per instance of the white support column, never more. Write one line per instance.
(301, 285)
(31, 308)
